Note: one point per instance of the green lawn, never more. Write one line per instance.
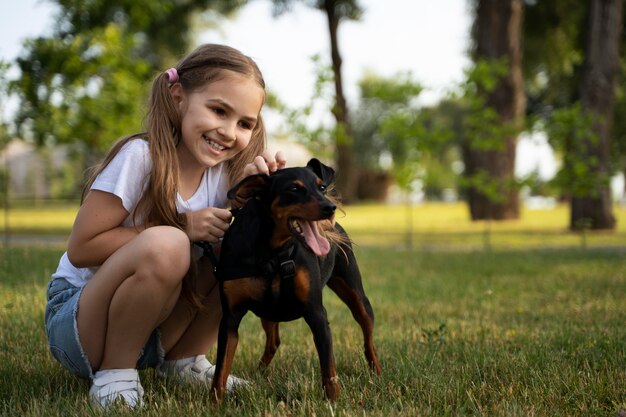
(431, 226)
(443, 226)
(459, 332)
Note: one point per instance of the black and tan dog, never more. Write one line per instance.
(275, 261)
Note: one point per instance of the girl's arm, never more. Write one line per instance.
(97, 233)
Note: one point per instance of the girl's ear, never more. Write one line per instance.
(177, 93)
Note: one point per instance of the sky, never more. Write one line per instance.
(428, 38)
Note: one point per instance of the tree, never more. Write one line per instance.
(163, 29)
(336, 11)
(4, 140)
(380, 99)
(497, 39)
(86, 82)
(553, 51)
(597, 98)
(572, 85)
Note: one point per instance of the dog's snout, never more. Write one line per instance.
(328, 209)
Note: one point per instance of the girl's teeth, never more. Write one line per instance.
(216, 146)
(213, 145)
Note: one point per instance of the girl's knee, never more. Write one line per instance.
(165, 254)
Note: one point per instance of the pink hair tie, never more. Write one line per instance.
(172, 75)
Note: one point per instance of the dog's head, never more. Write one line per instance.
(295, 199)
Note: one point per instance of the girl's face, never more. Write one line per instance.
(217, 120)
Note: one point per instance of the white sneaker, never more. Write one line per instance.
(113, 385)
(193, 370)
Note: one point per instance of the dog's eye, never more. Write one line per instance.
(322, 188)
(295, 188)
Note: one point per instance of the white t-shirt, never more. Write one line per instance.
(126, 176)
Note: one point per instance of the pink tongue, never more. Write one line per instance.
(317, 243)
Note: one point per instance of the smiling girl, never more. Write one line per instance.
(131, 291)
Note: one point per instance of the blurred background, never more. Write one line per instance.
(494, 107)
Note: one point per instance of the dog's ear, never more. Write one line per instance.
(326, 173)
(249, 187)
(242, 237)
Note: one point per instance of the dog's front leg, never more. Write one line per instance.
(227, 341)
(318, 322)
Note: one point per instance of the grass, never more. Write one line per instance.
(431, 226)
(532, 327)
(39, 218)
(437, 226)
(483, 333)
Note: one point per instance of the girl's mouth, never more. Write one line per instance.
(213, 145)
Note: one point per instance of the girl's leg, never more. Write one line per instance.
(188, 331)
(132, 292)
(188, 334)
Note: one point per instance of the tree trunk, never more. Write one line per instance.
(497, 34)
(346, 171)
(598, 98)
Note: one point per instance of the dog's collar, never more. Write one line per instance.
(281, 263)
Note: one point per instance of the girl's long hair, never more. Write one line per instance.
(203, 66)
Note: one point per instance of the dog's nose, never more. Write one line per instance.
(328, 209)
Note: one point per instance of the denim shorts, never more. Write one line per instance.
(62, 332)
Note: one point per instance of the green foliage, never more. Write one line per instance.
(400, 89)
(387, 122)
(488, 185)
(445, 135)
(402, 131)
(310, 124)
(344, 9)
(553, 51)
(380, 98)
(537, 186)
(555, 36)
(88, 82)
(484, 129)
(618, 130)
(439, 176)
(163, 29)
(4, 134)
(91, 91)
(570, 132)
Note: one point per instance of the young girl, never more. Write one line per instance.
(123, 296)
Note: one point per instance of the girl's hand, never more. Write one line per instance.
(266, 163)
(208, 224)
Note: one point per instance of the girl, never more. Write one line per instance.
(122, 297)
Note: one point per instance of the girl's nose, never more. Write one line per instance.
(228, 131)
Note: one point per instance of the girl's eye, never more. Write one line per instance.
(246, 125)
(219, 111)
